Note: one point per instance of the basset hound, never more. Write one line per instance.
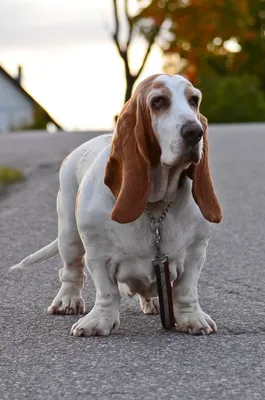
(157, 155)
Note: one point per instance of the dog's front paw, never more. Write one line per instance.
(195, 323)
(95, 324)
(150, 306)
(67, 302)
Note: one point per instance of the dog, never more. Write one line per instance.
(157, 157)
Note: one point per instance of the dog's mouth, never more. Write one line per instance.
(195, 154)
(192, 155)
(168, 165)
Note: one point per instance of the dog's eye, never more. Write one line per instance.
(159, 102)
(194, 101)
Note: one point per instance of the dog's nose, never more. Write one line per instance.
(191, 132)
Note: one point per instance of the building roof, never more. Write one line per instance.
(15, 83)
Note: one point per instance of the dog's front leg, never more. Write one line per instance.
(188, 314)
(104, 316)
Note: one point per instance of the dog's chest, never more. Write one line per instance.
(135, 249)
(137, 240)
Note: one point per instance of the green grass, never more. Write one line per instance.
(10, 175)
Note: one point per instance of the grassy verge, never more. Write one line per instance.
(10, 175)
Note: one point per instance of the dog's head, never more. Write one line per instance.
(161, 123)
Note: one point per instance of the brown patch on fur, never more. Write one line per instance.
(188, 91)
(166, 94)
(202, 186)
(158, 85)
(134, 150)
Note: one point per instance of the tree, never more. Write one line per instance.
(200, 31)
(148, 30)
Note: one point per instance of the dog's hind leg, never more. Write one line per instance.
(149, 306)
(69, 298)
(148, 302)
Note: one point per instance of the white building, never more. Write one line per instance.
(18, 110)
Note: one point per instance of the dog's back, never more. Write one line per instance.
(80, 160)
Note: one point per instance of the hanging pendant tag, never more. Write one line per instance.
(164, 289)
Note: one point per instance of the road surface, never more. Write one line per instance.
(38, 358)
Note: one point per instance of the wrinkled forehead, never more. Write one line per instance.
(172, 81)
(172, 86)
(175, 84)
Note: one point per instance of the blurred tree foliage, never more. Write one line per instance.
(209, 39)
(232, 99)
(41, 118)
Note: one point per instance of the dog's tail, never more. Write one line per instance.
(43, 254)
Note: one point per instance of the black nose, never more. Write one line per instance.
(191, 132)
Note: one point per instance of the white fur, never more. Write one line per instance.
(121, 254)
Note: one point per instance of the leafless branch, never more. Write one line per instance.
(129, 21)
(116, 32)
(123, 48)
(150, 45)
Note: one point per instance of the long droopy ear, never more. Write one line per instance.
(202, 186)
(134, 150)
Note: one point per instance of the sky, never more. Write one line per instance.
(70, 64)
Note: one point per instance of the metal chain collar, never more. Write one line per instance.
(157, 226)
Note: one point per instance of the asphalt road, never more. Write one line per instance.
(38, 357)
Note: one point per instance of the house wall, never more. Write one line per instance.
(15, 109)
